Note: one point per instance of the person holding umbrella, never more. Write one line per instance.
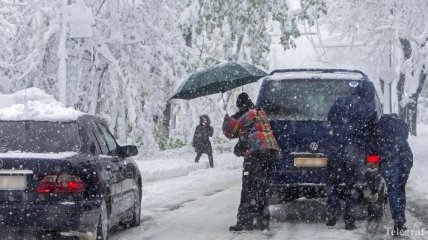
(201, 139)
(258, 146)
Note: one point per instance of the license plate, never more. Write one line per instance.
(310, 162)
(17, 182)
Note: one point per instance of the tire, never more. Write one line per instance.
(376, 210)
(103, 222)
(136, 216)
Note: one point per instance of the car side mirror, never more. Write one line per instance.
(128, 151)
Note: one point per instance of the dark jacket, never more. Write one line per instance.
(392, 134)
(201, 141)
(353, 117)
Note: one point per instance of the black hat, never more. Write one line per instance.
(243, 100)
(365, 89)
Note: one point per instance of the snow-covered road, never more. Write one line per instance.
(184, 200)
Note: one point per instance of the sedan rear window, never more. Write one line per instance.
(39, 136)
(301, 100)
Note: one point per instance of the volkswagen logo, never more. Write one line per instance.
(313, 146)
(1, 163)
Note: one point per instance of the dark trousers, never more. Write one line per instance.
(396, 172)
(210, 158)
(255, 193)
(346, 165)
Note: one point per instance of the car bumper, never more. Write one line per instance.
(67, 218)
(282, 193)
(288, 191)
(296, 176)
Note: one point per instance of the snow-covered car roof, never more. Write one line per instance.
(34, 104)
(317, 74)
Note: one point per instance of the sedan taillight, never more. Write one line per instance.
(63, 183)
(373, 161)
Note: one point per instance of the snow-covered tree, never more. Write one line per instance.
(392, 36)
(27, 33)
(238, 30)
(117, 59)
(225, 30)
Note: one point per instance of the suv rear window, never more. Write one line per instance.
(39, 136)
(300, 100)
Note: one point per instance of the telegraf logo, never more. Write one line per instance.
(407, 233)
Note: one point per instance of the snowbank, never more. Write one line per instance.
(419, 173)
(177, 163)
(34, 104)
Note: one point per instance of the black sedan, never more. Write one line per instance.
(68, 179)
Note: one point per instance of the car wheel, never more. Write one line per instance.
(136, 216)
(376, 212)
(377, 209)
(103, 222)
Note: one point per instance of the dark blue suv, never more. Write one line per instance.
(297, 102)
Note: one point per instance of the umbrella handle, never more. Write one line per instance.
(224, 102)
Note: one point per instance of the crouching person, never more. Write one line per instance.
(396, 162)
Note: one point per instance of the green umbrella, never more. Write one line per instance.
(218, 79)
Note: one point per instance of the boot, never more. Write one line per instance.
(350, 225)
(398, 229)
(239, 227)
(262, 221)
(261, 227)
(331, 222)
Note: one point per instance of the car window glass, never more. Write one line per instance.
(93, 140)
(39, 136)
(301, 100)
(100, 139)
(111, 143)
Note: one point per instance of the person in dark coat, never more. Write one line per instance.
(201, 139)
(258, 146)
(396, 162)
(352, 119)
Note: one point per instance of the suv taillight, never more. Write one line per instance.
(63, 183)
(373, 161)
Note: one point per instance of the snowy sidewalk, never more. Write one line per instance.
(173, 178)
(177, 163)
(419, 173)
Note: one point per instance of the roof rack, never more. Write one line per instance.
(322, 70)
